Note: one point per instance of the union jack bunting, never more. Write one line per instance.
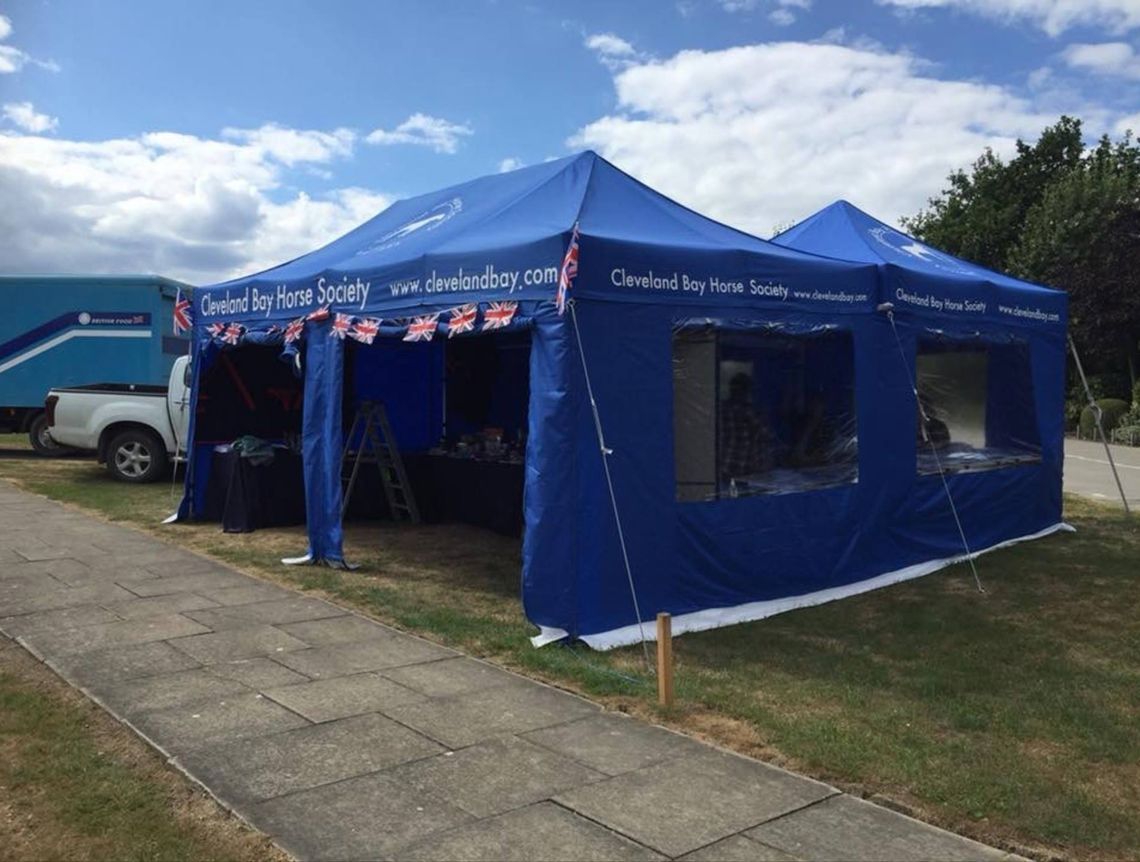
(181, 313)
(365, 330)
(321, 313)
(233, 333)
(569, 270)
(341, 324)
(216, 329)
(422, 328)
(462, 319)
(294, 330)
(499, 314)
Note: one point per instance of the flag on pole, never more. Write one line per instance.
(499, 314)
(294, 329)
(566, 275)
(422, 328)
(365, 330)
(461, 319)
(341, 324)
(182, 313)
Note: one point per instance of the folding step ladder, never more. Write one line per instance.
(376, 444)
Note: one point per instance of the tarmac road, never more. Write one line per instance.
(1087, 472)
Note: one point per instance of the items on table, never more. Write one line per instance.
(491, 444)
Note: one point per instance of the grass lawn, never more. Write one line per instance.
(77, 785)
(1012, 717)
(15, 441)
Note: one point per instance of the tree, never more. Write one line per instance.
(980, 216)
(1083, 236)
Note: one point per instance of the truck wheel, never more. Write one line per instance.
(137, 456)
(41, 439)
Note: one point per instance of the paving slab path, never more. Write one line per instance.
(342, 738)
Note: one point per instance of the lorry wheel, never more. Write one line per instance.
(41, 439)
(137, 456)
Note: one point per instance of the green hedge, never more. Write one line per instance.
(1112, 410)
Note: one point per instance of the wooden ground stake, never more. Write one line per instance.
(665, 660)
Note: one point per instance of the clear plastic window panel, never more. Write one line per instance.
(975, 407)
(762, 413)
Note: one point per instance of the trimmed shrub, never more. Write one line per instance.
(1112, 411)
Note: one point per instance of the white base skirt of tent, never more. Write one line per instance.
(717, 617)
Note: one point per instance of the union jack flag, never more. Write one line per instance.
(182, 321)
(499, 314)
(216, 329)
(365, 330)
(321, 313)
(233, 333)
(422, 328)
(461, 319)
(569, 270)
(294, 330)
(341, 324)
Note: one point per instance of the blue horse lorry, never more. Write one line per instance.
(60, 331)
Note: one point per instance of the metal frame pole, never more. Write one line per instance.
(1099, 427)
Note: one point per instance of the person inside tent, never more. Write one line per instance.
(745, 440)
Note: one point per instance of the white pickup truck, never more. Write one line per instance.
(136, 430)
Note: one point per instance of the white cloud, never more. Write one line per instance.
(510, 164)
(1052, 16)
(25, 116)
(763, 134)
(1128, 124)
(1116, 59)
(782, 17)
(195, 208)
(423, 130)
(613, 51)
(12, 59)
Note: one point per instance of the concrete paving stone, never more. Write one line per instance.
(287, 610)
(257, 673)
(182, 729)
(614, 743)
(344, 629)
(34, 551)
(109, 634)
(192, 583)
(252, 770)
(113, 574)
(164, 691)
(849, 828)
(231, 644)
(544, 831)
(738, 848)
(251, 591)
(370, 817)
(22, 568)
(49, 621)
(346, 659)
(655, 805)
(30, 599)
(342, 696)
(496, 776)
(449, 676)
(181, 565)
(465, 719)
(123, 662)
(15, 590)
(178, 603)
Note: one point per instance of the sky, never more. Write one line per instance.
(203, 140)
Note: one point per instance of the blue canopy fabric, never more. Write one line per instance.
(922, 280)
(649, 272)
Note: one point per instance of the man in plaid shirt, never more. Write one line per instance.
(744, 438)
